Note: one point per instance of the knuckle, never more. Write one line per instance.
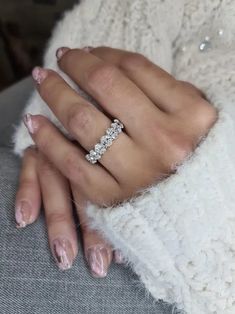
(68, 58)
(51, 86)
(45, 168)
(102, 76)
(73, 168)
(187, 86)
(30, 153)
(204, 113)
(179, 147)
(26, 183)
(57, 218)
(131, 61)
(80, 120)
(172, 85)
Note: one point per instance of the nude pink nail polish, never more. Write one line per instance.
(30, 123)
(39, 74)
(22, 214)
(98, 259)
(61, 51)
(88, 49)
(63, 253)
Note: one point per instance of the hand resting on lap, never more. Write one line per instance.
(164, 120)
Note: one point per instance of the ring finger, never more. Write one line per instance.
(83, 121)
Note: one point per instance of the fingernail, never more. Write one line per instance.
(30, 123)
(98, 259)
(39, 75)
(22, 214)
(118, 257)
(63, 253)
(61, 51)
(88, 49)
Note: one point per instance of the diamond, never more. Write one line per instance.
(109, 131)
(119, 123)
(113, 125)
(109, 141)
(93, 153)
(100, 149)
(103, 139)
(114, 135)
(91, 159)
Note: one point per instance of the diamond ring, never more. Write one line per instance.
(105, 142)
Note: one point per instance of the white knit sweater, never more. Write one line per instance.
(179, 235)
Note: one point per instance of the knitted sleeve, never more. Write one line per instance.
(178, 235)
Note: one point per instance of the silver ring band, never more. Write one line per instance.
(105, 142)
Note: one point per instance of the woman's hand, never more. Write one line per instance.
(164, 121)
(41, 181)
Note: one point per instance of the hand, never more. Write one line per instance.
(164, 121)
(41, 181)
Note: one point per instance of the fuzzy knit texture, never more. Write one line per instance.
(178, 235)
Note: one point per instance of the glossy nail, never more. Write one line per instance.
(98, 259)
(87, 48)
(22, 214)
(118, 257)
(61, 51)
(39, 75)
(30, 123)
(63, 253)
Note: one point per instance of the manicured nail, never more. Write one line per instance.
(61, 51)
(88, 49)
(118, 257)
(63, 253)
(22, 214)
(39, 75)
(30, 123)
(98, 259)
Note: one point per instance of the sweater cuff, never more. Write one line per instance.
(173, 234)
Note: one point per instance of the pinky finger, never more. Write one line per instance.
(28, 197)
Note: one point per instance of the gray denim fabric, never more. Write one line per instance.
(30, 282)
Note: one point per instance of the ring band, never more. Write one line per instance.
(105, 142)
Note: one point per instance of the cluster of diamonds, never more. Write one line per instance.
(105, 142)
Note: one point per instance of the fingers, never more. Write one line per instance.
(83, 120)
(117, 94)
(58, 213)
(161, 87)
(97, 251)
(28, 198)
(70, 161)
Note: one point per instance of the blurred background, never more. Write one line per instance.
(25, 26)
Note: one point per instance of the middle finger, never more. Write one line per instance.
(115, 92)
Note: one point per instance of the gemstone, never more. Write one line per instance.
(119, 123)
(114, 135)
(109, 131)
(113, 125)
(100, 149)
(103, 139)
(109, 141)
(91, 159)
(93, 153)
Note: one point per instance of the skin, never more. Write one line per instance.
(164, 121)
